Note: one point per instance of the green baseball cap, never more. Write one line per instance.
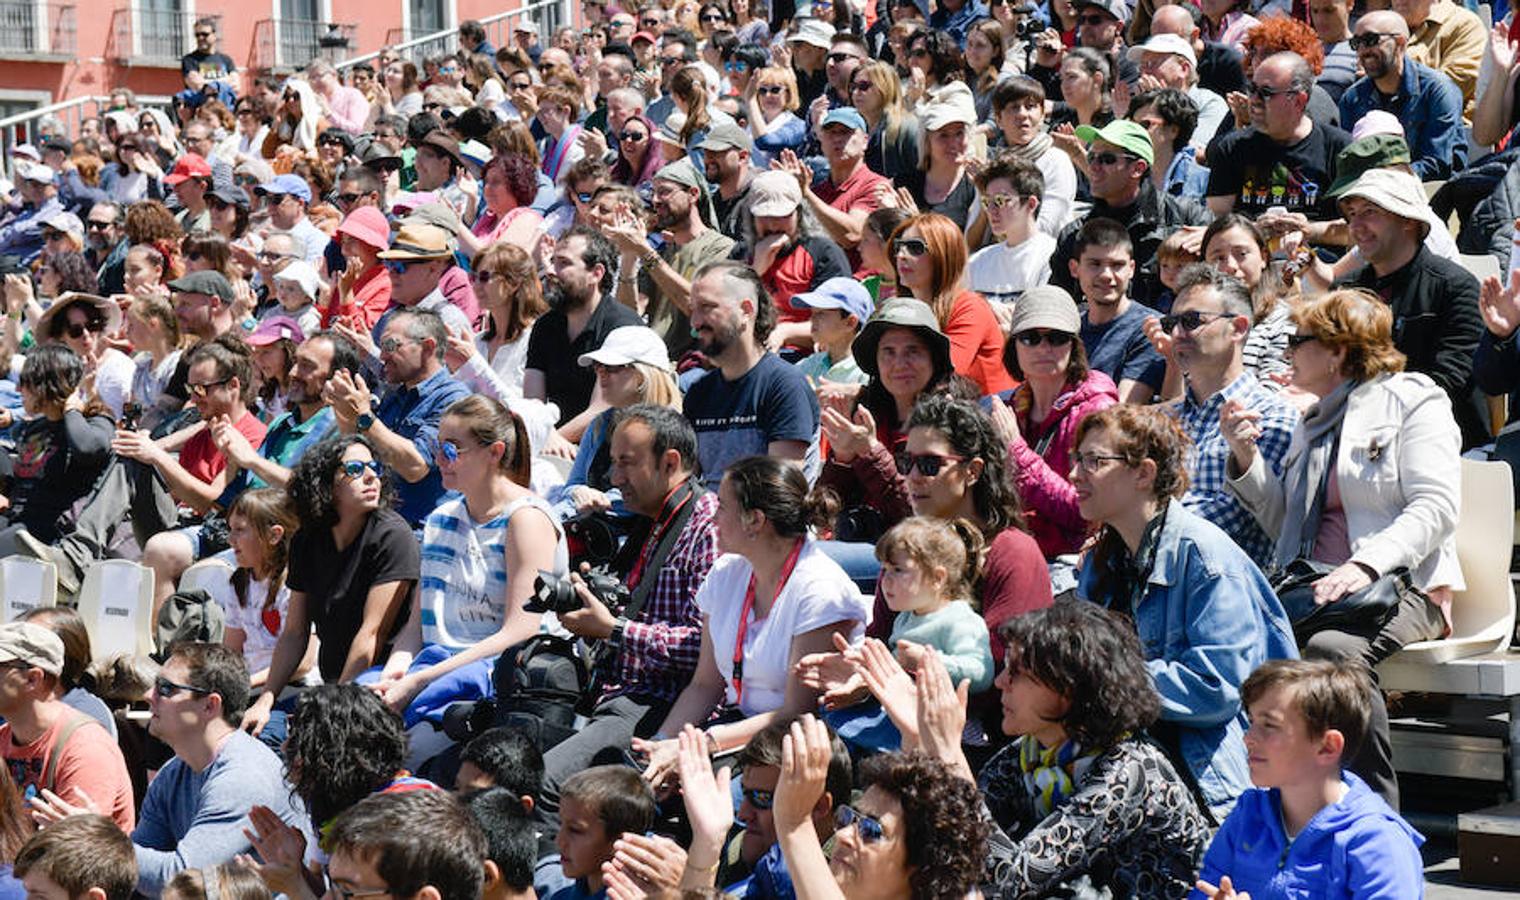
(1122, 133)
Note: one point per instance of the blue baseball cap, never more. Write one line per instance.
(844, 115)
(286, 184)
(844, 294)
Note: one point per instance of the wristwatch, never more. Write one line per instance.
(616, 637)
(364, 422)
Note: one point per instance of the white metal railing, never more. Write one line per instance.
(498, 31)
(27, 127)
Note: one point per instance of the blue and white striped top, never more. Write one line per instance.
(464, 571)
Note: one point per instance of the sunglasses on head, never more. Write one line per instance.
(354, 468)
(1035, 338)
(1192, 320)
(1367, 41)
(910, 246)
(869, 829)
(927, 464)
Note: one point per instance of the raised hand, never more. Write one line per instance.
(1005, 423)
(1241, 428)
(893, 688)
(1223, 891)
(942, 712)
(1500, 50)
(651, 864)
(706, 794)
(1500, 304)
(849, 437)
(1158, 337)
(805, 753)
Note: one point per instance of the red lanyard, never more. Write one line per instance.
(657, 534)
(749, 603)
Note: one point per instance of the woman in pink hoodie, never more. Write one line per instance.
(1040, 419)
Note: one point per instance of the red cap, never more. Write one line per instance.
(641, 36)
(191, 165)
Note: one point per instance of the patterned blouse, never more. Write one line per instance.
(1132, 829)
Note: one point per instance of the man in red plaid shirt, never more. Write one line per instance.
(648, 653)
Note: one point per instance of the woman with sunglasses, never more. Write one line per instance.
(481, 554)
(876, 93)
(157, 135)
(297, 120)
(930, 253)
(1371, 483)
(1081, 795)
(771, 599)
(1204, 612)
(711, 17)
(252, 128)
(638, 159)
(935, 61)
(1038, 421)
(876, 266)
(84, 323)
(353, 566)
(492, 361)
(773, 100)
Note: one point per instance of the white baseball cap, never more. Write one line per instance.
(1166, 43)
(630, 344)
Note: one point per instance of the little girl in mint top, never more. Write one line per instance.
(928, 568)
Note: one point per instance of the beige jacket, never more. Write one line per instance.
(1452, 41)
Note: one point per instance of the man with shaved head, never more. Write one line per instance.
(1219, 65)
(1285, 158)
(1427, 102)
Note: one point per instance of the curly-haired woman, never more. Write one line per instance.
(352, 567)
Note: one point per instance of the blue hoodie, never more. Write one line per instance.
(1358, 848)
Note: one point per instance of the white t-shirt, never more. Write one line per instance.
(1002, 273)
(113, 379)
(818, 593)
(258, 640)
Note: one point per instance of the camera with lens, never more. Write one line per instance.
(1029, 28)
(556, 594)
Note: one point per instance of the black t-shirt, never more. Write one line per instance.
(957, 204)
(211, 65)
(726, 213)
(54, 464)
(337, 582)
(1261, 173)
(567, 383)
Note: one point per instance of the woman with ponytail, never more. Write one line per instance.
(480, 556)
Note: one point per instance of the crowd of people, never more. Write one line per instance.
(950, 444)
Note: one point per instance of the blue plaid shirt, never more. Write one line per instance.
(1209, 456)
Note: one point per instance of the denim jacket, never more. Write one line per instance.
(1430, 106)
(1206, 621)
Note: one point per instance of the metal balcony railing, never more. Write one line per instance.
(153, 36)
(290, 44)
(548, 15)
(47, 29)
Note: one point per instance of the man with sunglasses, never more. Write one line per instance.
(678, 49)
(1208, 326)
(1011, 191)
(1119, 157)
(1427, 102)
(48, 744)
(1285, 158)
(286, 198)
(106, 246)
(206, 60)
(195, 814)
(21, 235)
(1100, 26)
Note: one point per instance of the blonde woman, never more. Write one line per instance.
(876, 92)
(948, 139)
(773, 101)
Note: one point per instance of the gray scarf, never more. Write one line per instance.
(1304, 472)
(1032, 151)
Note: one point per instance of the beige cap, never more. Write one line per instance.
(32, 644)
(1045, 306)
(774, 193)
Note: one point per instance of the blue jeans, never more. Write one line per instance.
(858, 561)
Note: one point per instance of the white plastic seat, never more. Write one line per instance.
(1483, 614)
(116, 603)
(26, 583)
(206, 575)
(1481, 265)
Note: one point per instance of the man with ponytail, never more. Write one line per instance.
(649, 650)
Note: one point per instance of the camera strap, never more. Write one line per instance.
(654, 549)
(749, 604)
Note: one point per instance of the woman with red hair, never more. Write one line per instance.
(929, 252)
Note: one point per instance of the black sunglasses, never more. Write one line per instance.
(77, 330)
(1267, 93)
(97, 226)
(760, 799)
(349, 199)
(927, 464)
(631, 137)
(1108, 159)
(165, 688)
(1036, 338)
(1368, 40)
(841, 57)
(911, 246)
(1298, 340)
(1192, 320)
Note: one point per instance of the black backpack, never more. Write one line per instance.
(188, 616)
(540, 684)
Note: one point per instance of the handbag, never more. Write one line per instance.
(1363, 612)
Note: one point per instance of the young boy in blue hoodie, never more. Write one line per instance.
(1309, 828)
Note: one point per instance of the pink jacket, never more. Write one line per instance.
(1041, 461)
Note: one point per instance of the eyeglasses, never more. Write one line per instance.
(1192, 320)
(869, 829)
(1091, 462)
(97, 226)
(841, 57)
(583, 196)
(354, 468)
(735, 67)
(910, 246)
(632, 137)
(1298, 340)
(448, 69)
(484, 278)
(1108, 159)
(770, 89)
(391, 344)
(1367, 41)
(861, 86)
(998, 201)
(1035, 337)
(77, 330)
(449, 452)
(165, 688)
(269, 256)
(927, 464)
(672, 60)
(204, 388)
(759, 799)
(1267, 93)
(520, 85)
(918, 51)
(349, 199)
(714, 17)
(650, 22)
(348, 893)
(204, 34)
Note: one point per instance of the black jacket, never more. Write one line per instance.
(1150, 220)
(1436, 325)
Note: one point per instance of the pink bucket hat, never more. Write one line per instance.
(367, 224)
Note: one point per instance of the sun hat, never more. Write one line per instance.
(276, 328)
(420, 240)
(367, 224)
(1175, 44)
(106, 308)
(902, 312)
(30, 643)
(1046, 306)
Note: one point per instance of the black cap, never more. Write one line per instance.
(232, 195)
(213, 284)
(54, 142)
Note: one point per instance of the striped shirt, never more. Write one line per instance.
(464, 572)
